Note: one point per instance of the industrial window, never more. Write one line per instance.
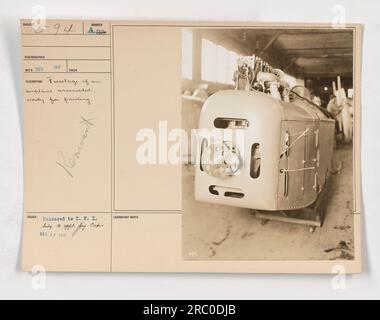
(218, 63)
(224, 123)
(187, 54)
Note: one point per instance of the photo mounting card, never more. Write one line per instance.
(191, 147)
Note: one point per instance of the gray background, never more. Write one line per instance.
(15, 284)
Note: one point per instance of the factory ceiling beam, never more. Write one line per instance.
(269, 44)
(301, 52)
(309, 48)
(290, 65)
(325, 71)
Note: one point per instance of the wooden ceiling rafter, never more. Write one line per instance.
(284, 48)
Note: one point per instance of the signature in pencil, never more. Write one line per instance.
(69, 163)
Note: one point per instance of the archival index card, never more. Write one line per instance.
(90, 90)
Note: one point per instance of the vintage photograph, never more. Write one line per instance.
(269, 172)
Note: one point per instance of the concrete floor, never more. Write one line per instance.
(215, 232)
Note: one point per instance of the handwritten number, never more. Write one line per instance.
(69, 28)
(57, 26)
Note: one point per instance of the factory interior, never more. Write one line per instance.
(322, 61)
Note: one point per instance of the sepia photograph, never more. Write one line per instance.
(207, 154)
(269, 172)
